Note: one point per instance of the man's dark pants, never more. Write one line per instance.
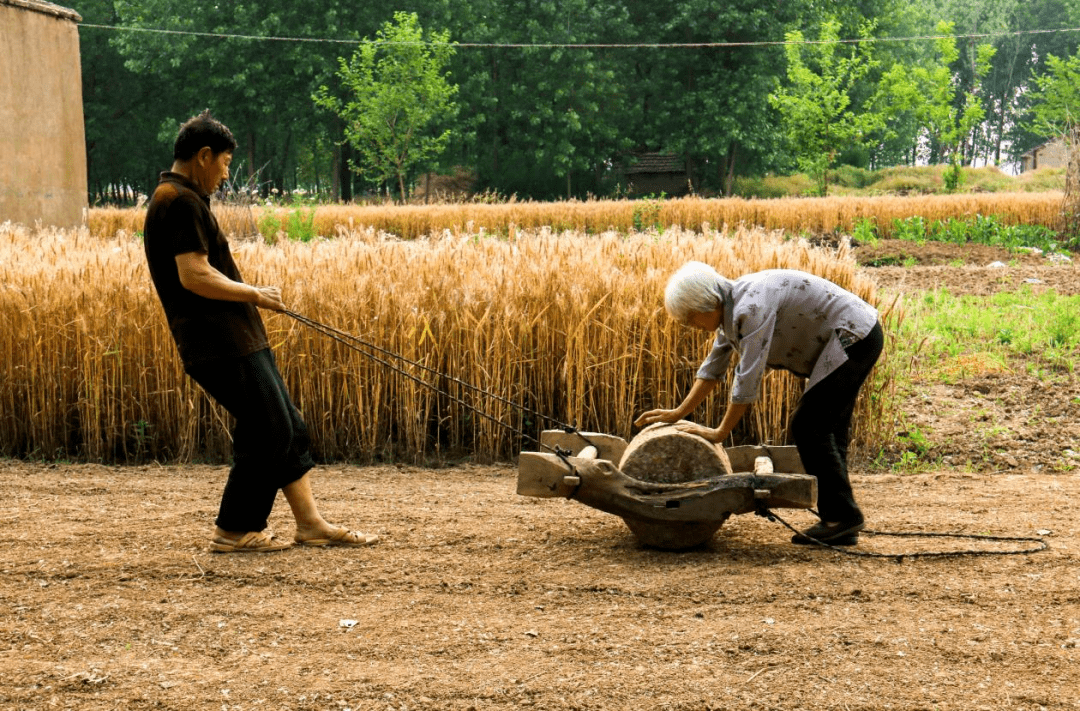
(821, 427)
(270, 439)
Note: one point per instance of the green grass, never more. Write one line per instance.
(774, 186)
(992, 329)
(983, 229)
(298, 225)
(947, 338)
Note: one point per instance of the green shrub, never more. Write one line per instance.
(984, 229)
(850, 176)
(774, 186)
(646, 213)
(865, 231)
(298, 224)
(906, 181)
(913, 229)
(269, 226)
(301, 224)
(953, 177)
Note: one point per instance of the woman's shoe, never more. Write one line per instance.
(842, 533)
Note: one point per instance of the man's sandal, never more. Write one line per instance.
(250, 542)
(341, 537)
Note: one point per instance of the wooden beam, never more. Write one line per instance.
(608, 447)
(784, 458)
(600, 484)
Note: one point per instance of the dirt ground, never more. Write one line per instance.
(966, 269)
(477, 598)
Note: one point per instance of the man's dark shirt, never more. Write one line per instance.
(178, 221)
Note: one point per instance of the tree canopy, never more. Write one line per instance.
(558, 98)
(398, 101)
(816, 104)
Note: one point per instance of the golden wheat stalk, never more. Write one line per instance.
(795, 215)
(568, 325)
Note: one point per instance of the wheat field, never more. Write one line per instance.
(795, 215)
(565, 325)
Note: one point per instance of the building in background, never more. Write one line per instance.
(42, 136)
(656, 173)
(1047, 155)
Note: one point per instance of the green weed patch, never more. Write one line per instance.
(948, 329)
(984, 229)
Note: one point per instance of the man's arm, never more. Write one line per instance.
(200, 277)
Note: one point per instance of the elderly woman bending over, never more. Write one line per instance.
(802, 323)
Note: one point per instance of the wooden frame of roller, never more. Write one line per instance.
(683, 488)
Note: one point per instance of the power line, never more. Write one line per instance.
(586, 45)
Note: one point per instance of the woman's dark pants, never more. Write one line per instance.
(822, 423)
(270, 439)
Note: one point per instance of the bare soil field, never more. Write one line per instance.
(477, 598)
(965, 269)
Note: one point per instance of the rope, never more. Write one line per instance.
(899, 557)
(354, 342)
(339, 335)
(583, 45)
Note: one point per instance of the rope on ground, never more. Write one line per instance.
(899, 557)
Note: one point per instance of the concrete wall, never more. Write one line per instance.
(42, 139)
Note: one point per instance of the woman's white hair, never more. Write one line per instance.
(695, 289)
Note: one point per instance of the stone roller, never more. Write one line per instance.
(674, 490)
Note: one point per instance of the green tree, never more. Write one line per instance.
(1011, 84)
(931, 94)
(399, 100)
(1057, 112)
(1057, 101)
(119, 112)
(258, 87)
(819, 117)
(705, 103)
(543, 121)
(1021, 130)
